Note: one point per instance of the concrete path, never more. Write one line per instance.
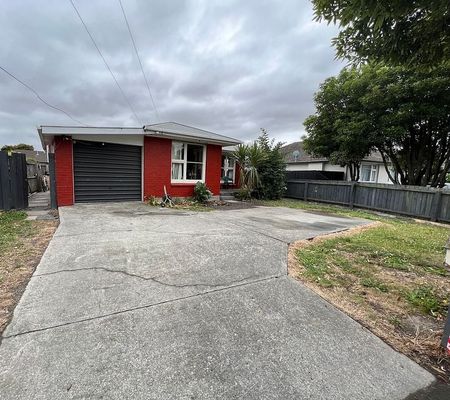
(133, 302)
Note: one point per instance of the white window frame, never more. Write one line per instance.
(184, 162)
(231, 161)
(373, 170)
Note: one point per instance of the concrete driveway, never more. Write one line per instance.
(133, 302)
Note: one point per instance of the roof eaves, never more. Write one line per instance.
(172, 135)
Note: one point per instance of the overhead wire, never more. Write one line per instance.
(140, 62)
(105, 62)
(40, 97)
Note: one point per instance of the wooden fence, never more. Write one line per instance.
(413, 201)
(13, 181)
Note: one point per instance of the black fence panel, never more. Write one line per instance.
(13, 181)
(315, 175)
(414, 201)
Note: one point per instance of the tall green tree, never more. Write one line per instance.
(412, 32)
(402, 113)
(339, 129)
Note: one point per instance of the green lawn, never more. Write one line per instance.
(13, 224)
(321, 207)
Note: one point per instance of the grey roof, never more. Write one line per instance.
(165, 129)
(189, 132)
(48, 132)
(39, 156)
(304, 157)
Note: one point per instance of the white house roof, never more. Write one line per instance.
(170, 130)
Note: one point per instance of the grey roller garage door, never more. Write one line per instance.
(106, 172)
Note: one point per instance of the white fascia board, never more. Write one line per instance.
(89, 130)
(188, 138)
(132, 140)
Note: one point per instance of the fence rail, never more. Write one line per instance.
(414, 201)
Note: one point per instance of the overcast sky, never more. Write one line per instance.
(231, 67)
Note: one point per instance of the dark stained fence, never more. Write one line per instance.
(315, 175)
(414, 201)
(13, 181)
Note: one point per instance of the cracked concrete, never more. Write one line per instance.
(131, 302)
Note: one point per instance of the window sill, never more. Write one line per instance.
(184, 183)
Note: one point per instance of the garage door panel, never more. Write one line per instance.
(106, 172)
(96, 167)
(128, 159)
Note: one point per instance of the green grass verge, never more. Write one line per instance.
(13, 224)
(415, 250)
(320, 207)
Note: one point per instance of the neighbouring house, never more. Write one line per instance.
(37, 158)
(372, 167)
(37, 169)
(95, 164)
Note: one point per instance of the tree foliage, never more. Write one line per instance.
(262, 168)
(338, 130)
(272, 172)
(402, 113)
(20, 146)
(391, 31)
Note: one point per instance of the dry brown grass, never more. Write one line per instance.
(18, 260)
(386, 313)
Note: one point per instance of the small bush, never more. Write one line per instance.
(152, 201)
(243, 194)
(201, 193)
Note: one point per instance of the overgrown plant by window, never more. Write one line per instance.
(201, 193)
(262, 169)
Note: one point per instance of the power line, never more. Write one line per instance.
(104, 60)
(39, 97)
(140, 62)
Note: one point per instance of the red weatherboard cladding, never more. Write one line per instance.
(64, 171)
(157, 169)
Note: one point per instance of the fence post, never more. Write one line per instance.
(436, 211)
(306, 191)
(446, 337)
(352, 194)
(5, 186)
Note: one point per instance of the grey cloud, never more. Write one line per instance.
(230, 67)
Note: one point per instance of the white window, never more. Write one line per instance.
(228, 166)
(188, 162)
(369, 173)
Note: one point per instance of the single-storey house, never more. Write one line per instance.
(372, 168)
(95, 164)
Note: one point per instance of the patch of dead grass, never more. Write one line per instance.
(18, 260)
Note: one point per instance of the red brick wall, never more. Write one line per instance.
(158, 164)
(64, 171)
